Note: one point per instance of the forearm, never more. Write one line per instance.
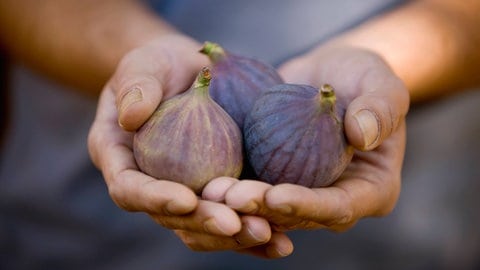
(432, 45)
(76, 42)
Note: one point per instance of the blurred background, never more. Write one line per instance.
(55, 209)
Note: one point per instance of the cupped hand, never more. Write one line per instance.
(145, 76)
(374, 125)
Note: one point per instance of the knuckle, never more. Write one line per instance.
(118, 197)
(344, 218)
(345, 212)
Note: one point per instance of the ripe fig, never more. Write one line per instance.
(190, 139)
(238, 80)
(295, 134)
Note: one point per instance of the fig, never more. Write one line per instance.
(238, 81)
(190, 139)
(295, 134)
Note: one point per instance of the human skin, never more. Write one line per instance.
(152, 61)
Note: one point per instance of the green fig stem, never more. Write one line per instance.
(214, 51)
(203, 78)
(327, 98)
(202, 81)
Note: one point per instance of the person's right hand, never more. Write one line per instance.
(160, 69)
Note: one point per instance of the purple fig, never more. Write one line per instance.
(238, 80)
(295, 134)
(190, 139)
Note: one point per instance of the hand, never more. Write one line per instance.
(146, 75)
(374, 125)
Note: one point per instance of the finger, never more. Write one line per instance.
(255, 231)
(279, 246)
(209, 217)
(134, 191)
(139, 85)
(110, 149)
(327, 205)
(151, 73)
(216, 189)
(247, 196)
(378, 111)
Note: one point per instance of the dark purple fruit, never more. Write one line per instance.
(190, 139)
(238, 80)
(295, 134)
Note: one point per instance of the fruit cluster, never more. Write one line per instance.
(240, 119)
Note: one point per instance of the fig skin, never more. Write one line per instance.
(295, 134)
(238, 81)
(190, 139)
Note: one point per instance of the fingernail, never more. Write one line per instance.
(283, 253)
(274, 251)
(259, 238)
(132, 96)
(210, 226)
(369, 125)
(248, 235)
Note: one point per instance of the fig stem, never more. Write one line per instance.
(327, 97)
(203, 78)
(214, 51)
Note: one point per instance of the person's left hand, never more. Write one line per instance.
(374, 125)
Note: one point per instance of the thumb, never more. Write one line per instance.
(138, 86)
(148, 74)
(378, 111)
